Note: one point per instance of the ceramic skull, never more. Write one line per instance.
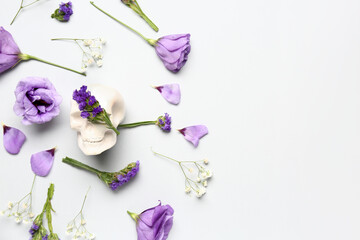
(94, 139)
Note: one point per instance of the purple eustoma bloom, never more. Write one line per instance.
(154, 223)
(13, 139)
(9, 51)
(171, 92)
(37, 100)
(42, 162)
(194, 133)
(173, 50)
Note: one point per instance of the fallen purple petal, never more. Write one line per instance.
(194, 133)
(171, 92)
(13, 139)
(41, 162)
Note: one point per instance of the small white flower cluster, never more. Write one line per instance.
(91, 52)
(78, 229)
(203, 175)
(20, 210)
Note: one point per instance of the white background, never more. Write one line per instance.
(276, 82)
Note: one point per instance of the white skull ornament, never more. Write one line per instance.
(94, 139)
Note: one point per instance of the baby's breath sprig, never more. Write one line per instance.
(21, 7)
(198, 174)
(22, 209)
(91, 48)
(77, 225)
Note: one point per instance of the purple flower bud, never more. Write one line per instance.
(154, 223)
(13, 139)
(82, 106)
(97, 110)
(85, 114)
(41, 162)
(171, 92)
(9, 51)
(164, 122)
(194, 133)
(92, 100)
(173, 50)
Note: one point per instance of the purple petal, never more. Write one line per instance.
(13, 139)
(171, 92)
(41, 162)
(194, 133)
(7, 43)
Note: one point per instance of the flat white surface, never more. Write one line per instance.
(276, 82)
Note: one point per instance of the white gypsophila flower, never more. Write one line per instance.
(18, 219)
(198, 180)
(187, 189)
(204, 183)
(92, 236)
(10, 205)
(83, 222)
(31, 215)
(206, 161)
(99, 63)
(2, 213)
(102, 41)
(88, 42)
(191, 170)
(200, 192)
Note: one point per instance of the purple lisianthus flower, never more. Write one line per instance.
(13, 139)
(154, 223)
(164, 122)
(171, 92)
(9, 51)
(194, 133)
(37, 100)
(42, 162)
(173, 50)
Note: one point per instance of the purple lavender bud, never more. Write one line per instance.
(122, 179)
(85, 114)
(97, 110)
(164, 122)
(92, 100)
(82, 106)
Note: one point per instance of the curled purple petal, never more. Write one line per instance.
(171, 92)
(41, 162)
(13, 139)
(194, 133)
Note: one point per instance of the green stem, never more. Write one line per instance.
(17, 12)
(26, 57)
(78, 164)
(179, 162)
(150, 41)
(74, 39)
(21, 7)
(152, 25)
(109, 123)
(131, 125)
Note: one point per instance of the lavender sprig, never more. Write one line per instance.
(163, 122)
(91, 109)
(112, 179)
